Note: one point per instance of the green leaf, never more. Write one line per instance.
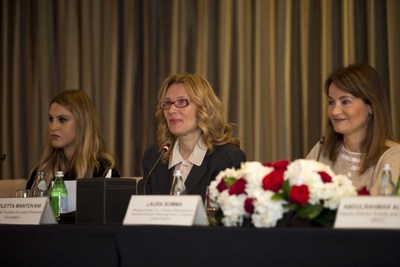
(215, 217)
(229, 181)
(325, 219)
(286, 189)
(278, 196)
(310, 211)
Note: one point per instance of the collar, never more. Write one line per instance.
(196, 158)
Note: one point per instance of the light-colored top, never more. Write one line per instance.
(196, 158)
(348, 162)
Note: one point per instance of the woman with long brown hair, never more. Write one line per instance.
(359, 136)
(74, 143)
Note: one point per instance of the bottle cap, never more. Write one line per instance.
(386, 167)
(60, 173)
(177, 173)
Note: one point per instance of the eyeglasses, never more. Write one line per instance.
(179, 103)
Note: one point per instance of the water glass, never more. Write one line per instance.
(23, 193)
(211, 211)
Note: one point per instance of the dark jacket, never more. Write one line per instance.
(160, 180)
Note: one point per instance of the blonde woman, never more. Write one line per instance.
(200, 141)
(74, 143)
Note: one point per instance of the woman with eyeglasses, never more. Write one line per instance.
(192, 136)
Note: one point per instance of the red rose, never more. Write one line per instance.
(273, 181)
(278, 165)
(221, 186)
(326, 178)
(248, 205)
(363, 191)
(237, 187)
(299, 194)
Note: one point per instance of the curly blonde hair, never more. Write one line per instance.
(215, 130)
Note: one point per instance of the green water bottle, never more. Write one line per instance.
(59, 195)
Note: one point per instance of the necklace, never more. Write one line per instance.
(353, 158)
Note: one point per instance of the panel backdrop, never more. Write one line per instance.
(266, 59)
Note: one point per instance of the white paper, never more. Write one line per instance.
(32, 210)
(71, 188)
(369, 212)
(165, 210)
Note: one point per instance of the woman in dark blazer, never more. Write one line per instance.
(199, 140)
(74, 144)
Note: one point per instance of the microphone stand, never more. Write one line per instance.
(3, 157)
(164, 150)
(321, 143)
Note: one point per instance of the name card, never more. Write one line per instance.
(34, 210)
(165, 210)
(369, 212)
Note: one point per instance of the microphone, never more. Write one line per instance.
(321, 143)
(164, 150)
(3, 157)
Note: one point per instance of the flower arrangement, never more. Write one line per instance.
(265, 193)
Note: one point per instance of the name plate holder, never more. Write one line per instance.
(367, 212)
(32, 210)
(165, 210)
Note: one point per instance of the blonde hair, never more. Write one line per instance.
(363, 82)
(90, 146)
(215, 130)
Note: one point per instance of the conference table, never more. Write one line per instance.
(118, 245)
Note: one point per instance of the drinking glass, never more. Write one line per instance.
(23, 193)
(39, 194)
(210, 209)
